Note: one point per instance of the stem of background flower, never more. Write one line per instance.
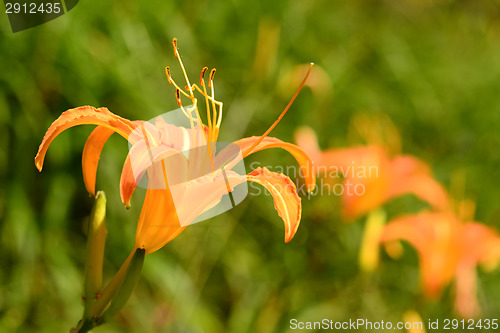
(370, 245)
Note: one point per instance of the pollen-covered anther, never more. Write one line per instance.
(211, 78)
(169, 77)
(202, 75)
(178, 97)
(174, 44)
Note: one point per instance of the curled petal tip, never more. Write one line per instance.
(285, 197)
(92, 193)
(80, 116)
(127, 182)
(126, 196)
(38, 165)
(291, 230)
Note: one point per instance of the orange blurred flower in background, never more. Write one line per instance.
(448, 249)
(370, 177)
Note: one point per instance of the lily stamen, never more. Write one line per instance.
(178, 91)
(178, 97)
(188, 115)
(204, 93)
(189, 88)
(211, 137)
(169, 77)
(172, 82)
(263, 136)
(215, 120)
(176, 52)
(215, 125)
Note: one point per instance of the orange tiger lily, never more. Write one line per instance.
(372, 176)
(159, 219)
(448, 249)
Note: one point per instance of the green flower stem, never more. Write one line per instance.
(84, 326)
(109, 291)
(127, 286)
(93, 316)
(102, 306)
(95, 251)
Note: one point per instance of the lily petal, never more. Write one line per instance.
(166, 212)
(91, 155)
(305, 162)
(207, 191)
(144, 159)
(360, 156)
(481, 244)
(286, 200)
(158, 223)
(306, 139)
(363, 167)
(411, 175)
(423, 187)
(163, 140)
(80, 116)
(406, 165)
(415, 229)
(163, 217)
(435, 236)
(127, 182)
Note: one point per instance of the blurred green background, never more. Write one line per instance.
(432, 66)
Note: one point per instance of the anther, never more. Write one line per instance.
(169, 77)
(178, 97)
(174, 44)
(211, 77)
(202, 75)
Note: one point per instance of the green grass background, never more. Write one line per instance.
(432, 66)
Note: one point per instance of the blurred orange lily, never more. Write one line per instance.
(370, 177)
(159, 221)
(448, 249)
